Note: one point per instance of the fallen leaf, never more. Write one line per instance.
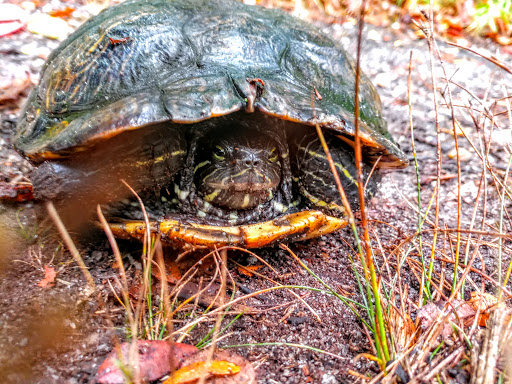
(503, 40)
(459, 311)
(11, 12)
(12, 19)
(49, 277)
(464, 154)
(15, 82)
(221, 370)
(48, 26)
(156, 359)
(173, 274)
(11, 27)
(482, 300)
(482, 319)
(18, 193)
(485, 301)
(402, 327)
(66, 12)
(193, 372)
(246, 270)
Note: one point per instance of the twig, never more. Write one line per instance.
(70, 244)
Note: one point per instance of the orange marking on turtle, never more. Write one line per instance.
(119, 41)
(317, 94)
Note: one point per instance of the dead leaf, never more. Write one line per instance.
(66, 12)
(51, 27)
(485, 301)
(193, 372)
(173, 273)
(10, 27)
(246, 270)
(482, 300)
(464, 154)
(12, 19)
(14, 86)
(49, 277)
(220, 371)
(156, 359)
(11, 12)
(459, 311)
(402, 327)
(18, 193)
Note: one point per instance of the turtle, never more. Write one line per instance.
(208, 110)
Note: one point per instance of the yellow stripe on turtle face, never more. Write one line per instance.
(320, 203)
(200, 165)
(212, 195)
(338, 165)
(247, 201)
(161, 158)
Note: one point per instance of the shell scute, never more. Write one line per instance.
(185, 61)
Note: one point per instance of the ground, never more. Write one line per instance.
(61, 333)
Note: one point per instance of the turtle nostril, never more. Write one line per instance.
(252, 163)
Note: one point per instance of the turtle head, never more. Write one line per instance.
(237, 171)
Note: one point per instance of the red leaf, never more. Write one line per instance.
(10, 27)
(156, 358)
(15, 193)
(49, 277)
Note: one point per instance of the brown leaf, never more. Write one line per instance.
(193, 372)
(173, 274)
(156, 359)
(246, 270)
(18, 193)
(221, 372)
(458, 311)
(482, 319)
(402, 326)
(484, 300)
(49, 277)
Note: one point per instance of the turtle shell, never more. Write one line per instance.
(186, 61)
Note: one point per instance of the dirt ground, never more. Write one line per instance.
(60, 334)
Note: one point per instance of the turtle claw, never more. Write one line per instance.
(292, 227)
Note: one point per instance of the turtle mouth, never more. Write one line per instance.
(242, 200)
(249, 184)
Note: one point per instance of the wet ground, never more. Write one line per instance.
(61, 333)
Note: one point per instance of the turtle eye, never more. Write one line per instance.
(219, 153)
(272, 157)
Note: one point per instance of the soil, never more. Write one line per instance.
(61, 333)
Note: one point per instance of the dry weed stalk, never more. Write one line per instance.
(462, 249)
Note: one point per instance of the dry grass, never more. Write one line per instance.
(442, 259)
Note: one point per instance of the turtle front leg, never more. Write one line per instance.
(147, 159)
(315, 180)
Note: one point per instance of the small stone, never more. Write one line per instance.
(464, 154)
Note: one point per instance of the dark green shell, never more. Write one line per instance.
(186, 61)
